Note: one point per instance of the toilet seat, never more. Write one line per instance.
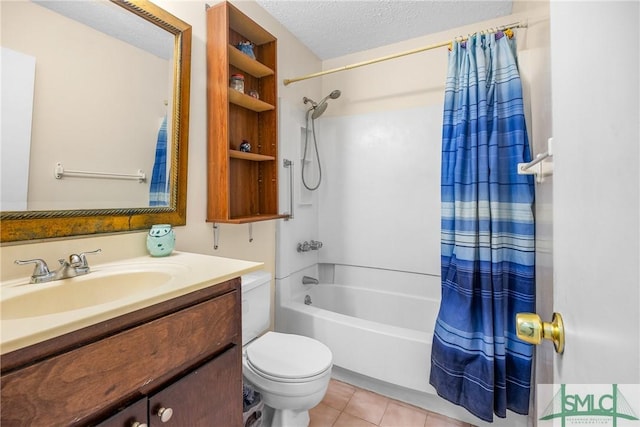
(288, 358)
(281, 380)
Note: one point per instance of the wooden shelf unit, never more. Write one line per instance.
(242, 187)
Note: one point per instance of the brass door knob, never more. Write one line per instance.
(532, 329)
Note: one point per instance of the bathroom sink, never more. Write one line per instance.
(33, 313)
(81, 292)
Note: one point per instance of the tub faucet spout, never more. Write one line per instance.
(306, 280)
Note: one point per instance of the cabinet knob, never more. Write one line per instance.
(165, 414)
(138, 424)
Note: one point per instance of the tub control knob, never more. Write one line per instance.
(165, 414)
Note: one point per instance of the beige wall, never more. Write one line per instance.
(81, 75)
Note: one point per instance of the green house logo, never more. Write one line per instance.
(590, 408)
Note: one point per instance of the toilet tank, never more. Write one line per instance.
(256, 304)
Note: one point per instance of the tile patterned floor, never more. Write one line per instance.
(345, 405)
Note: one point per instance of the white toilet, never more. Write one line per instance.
(291, 372)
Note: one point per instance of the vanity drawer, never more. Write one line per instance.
(72, 387)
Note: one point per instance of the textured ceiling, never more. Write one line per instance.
(332, 28)
(117, 22)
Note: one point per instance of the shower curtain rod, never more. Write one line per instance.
(518, 24)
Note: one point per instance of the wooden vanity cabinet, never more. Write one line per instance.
(200, 398)
(183, 354)
(137, 412)
(213, 407)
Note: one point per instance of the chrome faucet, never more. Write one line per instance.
(76, 266)
(313, 245)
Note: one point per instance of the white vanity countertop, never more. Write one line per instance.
(181, 273)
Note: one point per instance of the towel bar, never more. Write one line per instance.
(60, 172)
(543, 168)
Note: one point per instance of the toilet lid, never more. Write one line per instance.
(288, 356)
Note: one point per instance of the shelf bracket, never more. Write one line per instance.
(216, 236)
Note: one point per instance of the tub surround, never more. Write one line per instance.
(174, 352)
(365, 324)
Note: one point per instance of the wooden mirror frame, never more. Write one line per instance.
(30, 225)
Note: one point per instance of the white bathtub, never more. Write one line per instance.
(374, 327)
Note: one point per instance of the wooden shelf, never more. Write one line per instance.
(245, 63)
(248, 102)
(250, 156)
(253, 218)
(241, 187)
(244, 25)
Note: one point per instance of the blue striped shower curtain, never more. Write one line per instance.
(159, 189)
(487, 237)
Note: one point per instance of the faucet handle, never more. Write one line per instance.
(315, 244)
(81, 258)
(41, 270)
(41, 267)
(75, 260)
(304, 247)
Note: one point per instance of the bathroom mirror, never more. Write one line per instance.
(113, 197)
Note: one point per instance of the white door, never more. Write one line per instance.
(16, 112)
(596, 261)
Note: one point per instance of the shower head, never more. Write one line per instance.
(335, 94)
(319, 110)
(320, 107)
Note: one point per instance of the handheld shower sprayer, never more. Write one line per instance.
(316, 110)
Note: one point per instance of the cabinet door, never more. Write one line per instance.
(210, 396)
(128, 417)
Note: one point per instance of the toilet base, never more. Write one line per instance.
(289, 418)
